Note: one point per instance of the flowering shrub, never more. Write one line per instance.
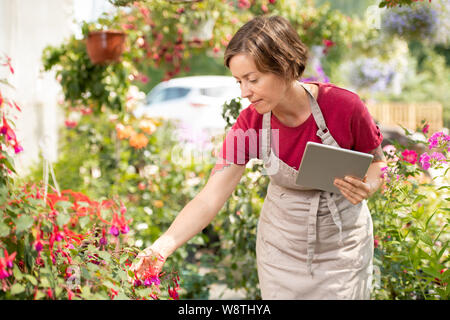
(412, 22)
(371, 74)
(410, 216)
(64, 245)
(8, 139)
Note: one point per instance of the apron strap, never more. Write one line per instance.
(265, 137)
(312, 230)
(323, 133)
(334, 214)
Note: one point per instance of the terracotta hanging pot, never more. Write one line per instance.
(105, 46)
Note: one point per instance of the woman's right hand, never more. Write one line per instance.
(148, 260)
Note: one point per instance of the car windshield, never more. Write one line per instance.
(166, 94)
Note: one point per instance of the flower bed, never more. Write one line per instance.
(64, 245)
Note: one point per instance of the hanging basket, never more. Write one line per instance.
(105, 46)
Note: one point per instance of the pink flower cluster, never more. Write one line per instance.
(119, 224)
(10, 136)
(5, 128)
(426, 160)
(6, 263)
(439, 140)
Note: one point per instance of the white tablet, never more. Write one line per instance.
(321, 164)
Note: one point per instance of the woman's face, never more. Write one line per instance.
(264, 90)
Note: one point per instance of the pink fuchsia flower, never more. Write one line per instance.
(173, 293)
(8, 259)
(3, 273)
(137, 282)
(409, 156)
(103, 240)
(114, 231)
(152, 280)
(426, 128)
(17, 148)
(6, 130)
(38, 246)
(425, 161)
(124, 229)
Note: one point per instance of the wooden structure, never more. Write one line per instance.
(408, 115)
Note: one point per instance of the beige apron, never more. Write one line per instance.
(311, 244)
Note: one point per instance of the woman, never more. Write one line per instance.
(310, 244)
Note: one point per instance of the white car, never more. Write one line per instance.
(195, 101)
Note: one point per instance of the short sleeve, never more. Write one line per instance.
(240, 143)
(367, 135)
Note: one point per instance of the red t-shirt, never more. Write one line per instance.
(346, 117)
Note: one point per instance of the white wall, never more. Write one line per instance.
(26, 27)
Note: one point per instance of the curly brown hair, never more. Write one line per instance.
(274, 45)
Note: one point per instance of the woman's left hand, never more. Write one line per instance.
(354, 189)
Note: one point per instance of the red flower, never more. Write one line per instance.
(8, 259)
(6, 130)
(328, 44)
(70, 124)
(409, 156)
(376, 243)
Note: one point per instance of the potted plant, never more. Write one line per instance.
(93, 84)
(105, 46)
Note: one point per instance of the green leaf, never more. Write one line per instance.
(62, 219)
(44, 282)
(4, 230)
(104, 255)
(109, 284)
(17, 288)
(418, 198)
(64, 204)
(40, 295)
(144, 292)
(426, 239)
(32, 279)
(121, 296)
(84, 221)
(17, 273)
(123, 258)
(23, 223)
(83, 204)
(431, 272)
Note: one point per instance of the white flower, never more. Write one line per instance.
(148, 211)
(142, 226)
(139, 243)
